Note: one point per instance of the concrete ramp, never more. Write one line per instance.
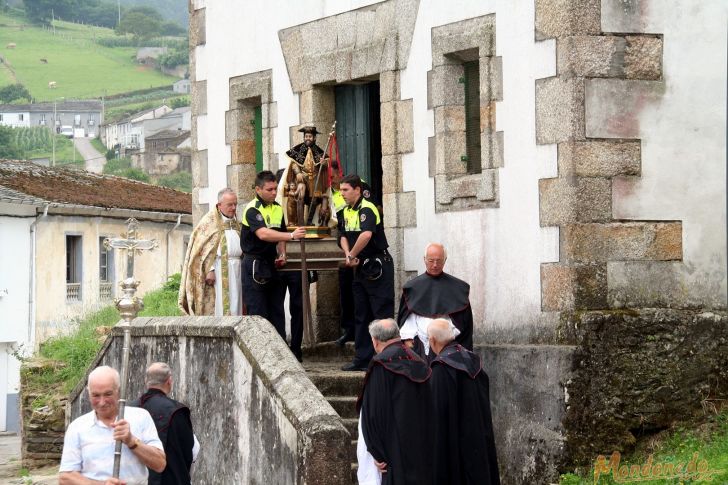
(258, 416)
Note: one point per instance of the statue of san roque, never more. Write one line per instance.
(306, 183)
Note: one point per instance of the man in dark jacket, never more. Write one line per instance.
(462, 427)
(394, 412)
(173, 423)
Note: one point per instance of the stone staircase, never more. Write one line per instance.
(323, 364)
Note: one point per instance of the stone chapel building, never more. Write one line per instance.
(570, 154)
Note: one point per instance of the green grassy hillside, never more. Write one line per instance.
(80, 67)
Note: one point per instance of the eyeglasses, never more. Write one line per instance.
(434, 261)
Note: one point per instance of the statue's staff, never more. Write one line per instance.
(318, 177)
(129, 306)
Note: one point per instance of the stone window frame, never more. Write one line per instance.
(247, 92)
(452, 45)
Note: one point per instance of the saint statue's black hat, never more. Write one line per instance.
(309, 129)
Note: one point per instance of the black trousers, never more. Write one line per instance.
(292, 281)
(265, 300)
(373, 300)
(346, 300)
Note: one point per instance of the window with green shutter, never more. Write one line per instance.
(472, 115)
(258, 131)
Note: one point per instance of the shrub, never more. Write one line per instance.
(110, 155)
(117, 165)
(178, 181)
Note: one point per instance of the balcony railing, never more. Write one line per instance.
(73, 291)
(106, 291)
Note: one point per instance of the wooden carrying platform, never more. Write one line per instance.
(322, 254)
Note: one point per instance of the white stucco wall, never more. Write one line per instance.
(54, 314)
(14, 307)
(498, 251)
(13, 119)
(683, 135)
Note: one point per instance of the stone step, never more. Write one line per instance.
(354, 468)
(345, 406)
(329, 351)
(332, 381)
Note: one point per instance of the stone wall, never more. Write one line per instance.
(638, 372)
(42, 428)
(257, 415)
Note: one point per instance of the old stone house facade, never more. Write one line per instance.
(53, 223)
(570, 154)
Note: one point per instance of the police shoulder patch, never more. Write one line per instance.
(259, 217)
(363, 217)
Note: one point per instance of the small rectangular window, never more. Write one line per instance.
(73, 268)
(472, 115)
(21, 117)
(77, 120)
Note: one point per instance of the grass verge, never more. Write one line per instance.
(73, 353)
(679, 456)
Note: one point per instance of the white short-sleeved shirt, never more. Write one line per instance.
(88, 447)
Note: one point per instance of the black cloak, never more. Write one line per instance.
(439, 296)
(395, 415)
(299, 152)
(174, 427)
(462, 424)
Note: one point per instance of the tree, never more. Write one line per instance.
(178, 181)
(171, 29)
(138, 24)
(8, 149)
(44, 10)
(14, 92)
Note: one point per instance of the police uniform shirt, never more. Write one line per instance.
(257, 215)
(364, 216)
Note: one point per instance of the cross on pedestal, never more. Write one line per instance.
(129, 306)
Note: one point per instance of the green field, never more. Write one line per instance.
(80, 67)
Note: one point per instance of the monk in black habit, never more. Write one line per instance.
(394, 419)
(462, 424)
(435, 294)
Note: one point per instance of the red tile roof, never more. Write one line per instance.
(78, 187)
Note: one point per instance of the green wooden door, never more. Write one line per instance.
(352, 129)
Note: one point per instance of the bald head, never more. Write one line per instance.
(103, 375)
(440, 334)
(435, 257)
(103, 392)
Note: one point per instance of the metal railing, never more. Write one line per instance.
(73, 291)
(106, 291)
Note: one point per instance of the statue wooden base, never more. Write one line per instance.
(322, 254)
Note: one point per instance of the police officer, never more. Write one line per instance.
(346, 274)
(263, 241)
(291, 281)
(361, 236)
